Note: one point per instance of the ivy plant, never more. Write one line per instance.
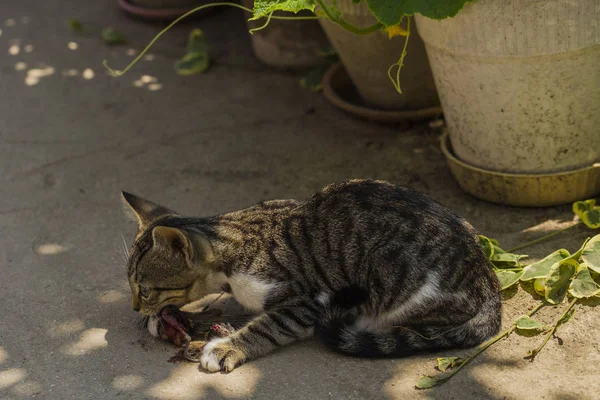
(557, 278)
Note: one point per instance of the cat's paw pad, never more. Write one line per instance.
(221, 355)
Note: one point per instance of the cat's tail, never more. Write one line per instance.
(341, 331)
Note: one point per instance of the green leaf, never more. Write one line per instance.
(262, 8)
(75, 25)
(192, 64)
(112, 37)
(591, 254)
(575, 256)
(588, 213)
(448, 362)
(313, 78)
(583, 286)
(508, 278)
(488, 245)
(558, 280)
(541, 268)
(197, 42)
(581, 207)
(592, 218)
(507, 259)
(196, 60)
(389, 12)
(426, 382)
(527, 323)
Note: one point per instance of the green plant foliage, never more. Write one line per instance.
(112, 36)
(75, 25)
(196, 60)
(508, 278)
(262, 8)
(591, 254)
(445, 363)
(313, 78)
(527, 323)
(390, 12)
(498, 256)
(541, 268)
(426, 382)
(387, 12)
(588, 212)
(557, 283)
(583, 286)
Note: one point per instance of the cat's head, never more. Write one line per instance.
(168, 264)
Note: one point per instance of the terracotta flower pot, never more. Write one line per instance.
(519, 83)
(368, 57)
(163, 10)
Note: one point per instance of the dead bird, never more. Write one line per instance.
(216, 315)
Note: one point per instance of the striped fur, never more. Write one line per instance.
(372, 269)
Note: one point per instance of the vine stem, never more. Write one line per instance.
(187, 14)
(486, 345)
(538, 240)
(534, 353)
(346, 25)
(400, 63)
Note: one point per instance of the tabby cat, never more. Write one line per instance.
(370, 268)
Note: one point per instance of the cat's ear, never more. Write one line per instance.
(196, 247)
(144, 211)
(173, 240)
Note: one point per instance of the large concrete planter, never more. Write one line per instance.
(288, 44)
(368, 57)
(519, 83)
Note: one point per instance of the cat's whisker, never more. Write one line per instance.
(125, 248)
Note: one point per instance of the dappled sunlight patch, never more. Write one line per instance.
(548, 226)
(35, 74)
(91, 339)
(28, 48)
(69, 72)
(127, 382)
(11, 377)
(148, 57)
(72, 45)
(14, 49)
(149, 82)
(131, 52)
(67, 328)
(111, 296)
(20, 66)
(3, 355)
(10, 22)
(88, 74)
(187, 383)
(27, 388)
(47, 249)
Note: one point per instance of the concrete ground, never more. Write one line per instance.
(72, 137)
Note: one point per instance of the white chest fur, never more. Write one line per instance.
(250, 291)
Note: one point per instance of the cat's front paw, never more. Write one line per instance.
(221, 355)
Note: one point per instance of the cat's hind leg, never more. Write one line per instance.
(344, 334)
